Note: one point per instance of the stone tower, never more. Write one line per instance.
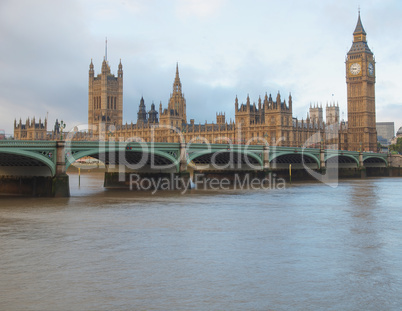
(105, 99)
(175, 114)
(142, 113)
(316, 115)
(332, 114)
(153, 115)
(177, 101)
(360, 80)
(220, 118)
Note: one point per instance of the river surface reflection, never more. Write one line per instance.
(306, 247)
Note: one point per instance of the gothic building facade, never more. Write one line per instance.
(268, 120)
(30, 130)
(105, 99)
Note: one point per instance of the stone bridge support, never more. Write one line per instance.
(322, 158)
(395, 163)
(363, 173)
(60, 182)
(266, 158)
(183, 157)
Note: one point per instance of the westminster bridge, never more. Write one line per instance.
(39, 167)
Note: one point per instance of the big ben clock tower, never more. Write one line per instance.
(360, 81)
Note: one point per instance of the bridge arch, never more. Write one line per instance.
(136, 156)
(343, 160)
(224, 158)
(15, 161)
(297, 159)
(374, 161)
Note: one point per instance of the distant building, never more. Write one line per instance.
(105, 99)
(398, 135)
(30, 130)
(385, 132)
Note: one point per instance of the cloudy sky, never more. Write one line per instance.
(224, 48)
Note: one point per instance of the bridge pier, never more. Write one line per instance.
(361, 163)
(265, 159)
(183, 157)
(322, 159)
(363, 172)
(60, 182)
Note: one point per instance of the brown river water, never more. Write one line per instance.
(305, 247)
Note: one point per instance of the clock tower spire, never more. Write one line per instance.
(360, 81)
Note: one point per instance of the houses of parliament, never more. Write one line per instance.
(268, 120)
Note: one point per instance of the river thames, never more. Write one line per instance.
(306, 247)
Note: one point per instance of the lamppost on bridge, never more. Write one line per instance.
(62, 127)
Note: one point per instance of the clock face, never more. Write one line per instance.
(355, 68)
(371, 69)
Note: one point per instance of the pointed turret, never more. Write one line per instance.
(278, 100)
(142, 113)
(177, 83)
(359, 30)
(290, 101)
(177, 72)
(177, 102)
(105, 67)
(359, 39)
(266, 101)
(153, 115)
(91, 69)
(120, 70)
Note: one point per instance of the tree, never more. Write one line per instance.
(379, 146)
(397, 147)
